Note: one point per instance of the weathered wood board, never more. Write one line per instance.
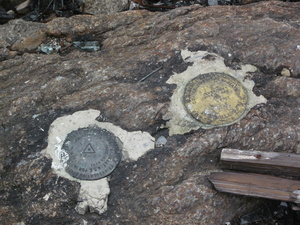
(274, 163)
(257, 185)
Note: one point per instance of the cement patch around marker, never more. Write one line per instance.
(93, 194)
(180, 121)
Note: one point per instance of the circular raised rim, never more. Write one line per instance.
(91, 153)
(215, 108)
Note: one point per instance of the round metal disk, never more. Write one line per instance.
(92, 152)
(215, 99)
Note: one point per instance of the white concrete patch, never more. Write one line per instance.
(179, 121)
(93, 194)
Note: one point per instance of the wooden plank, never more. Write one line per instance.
(274, 163)
(257, 185)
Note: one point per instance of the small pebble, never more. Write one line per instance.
(285, 72)
(160, 142)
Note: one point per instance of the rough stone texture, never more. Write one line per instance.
(18, 36)
(97, 7)
(168, 185)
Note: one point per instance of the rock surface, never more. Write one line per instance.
(97, 7)
(169, 184)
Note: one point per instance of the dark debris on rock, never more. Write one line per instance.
(38, 10)
(46, 10)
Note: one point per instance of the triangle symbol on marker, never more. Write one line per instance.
(89, 149)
